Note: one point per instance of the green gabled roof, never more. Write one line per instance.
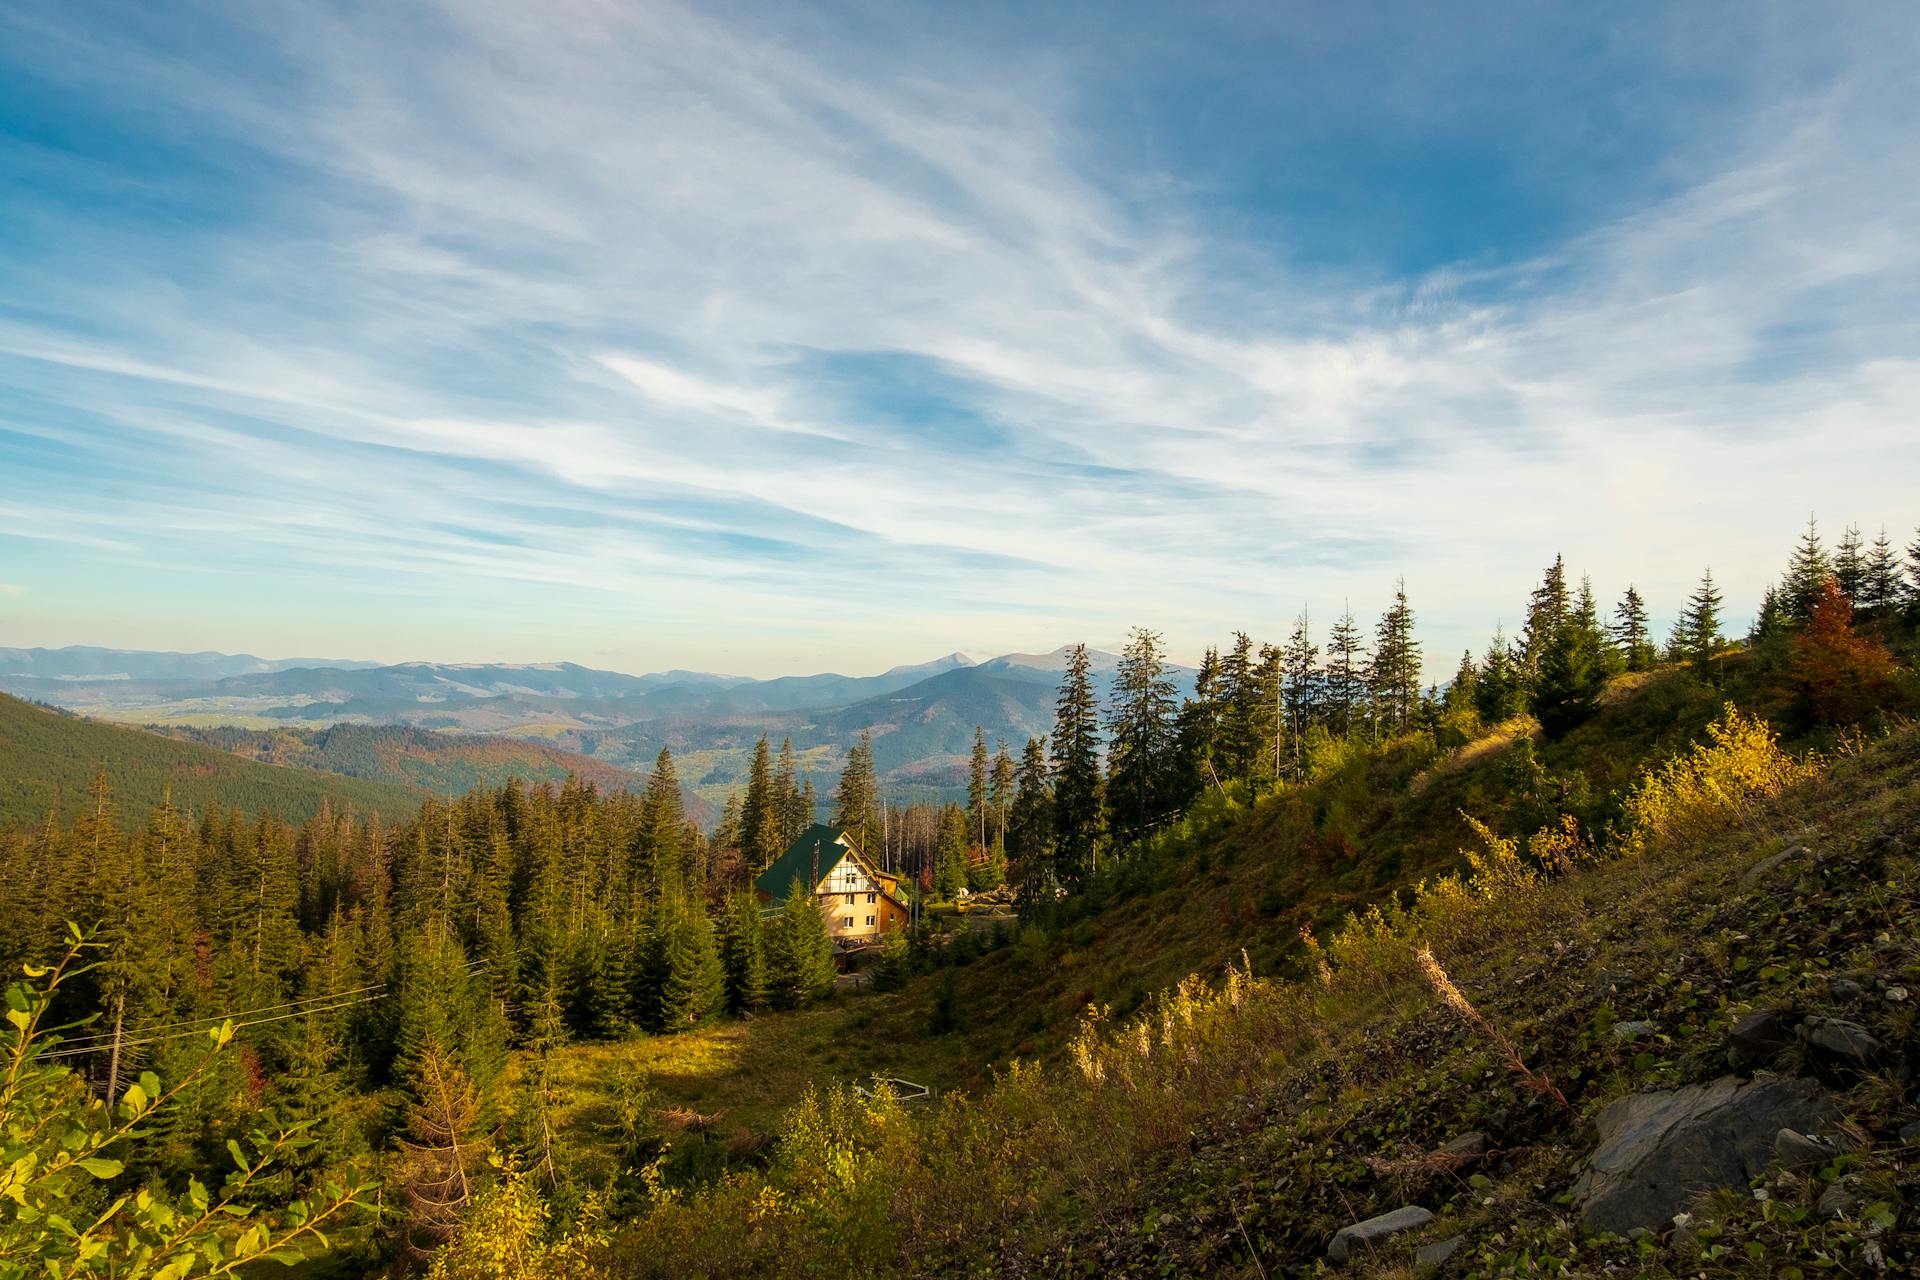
(816, 848)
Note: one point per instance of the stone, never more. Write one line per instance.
(1839, 1038)
(1836, 1202)
(1797, 1151)
(1606, 981)
(1767, 866)
(1374, 1230)
(1759, 1037)
(1847, 989)
(1434, 1256)
(1466, 1147)
(1658, 1150)
(1633, 1030)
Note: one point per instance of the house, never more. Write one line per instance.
(859, 901)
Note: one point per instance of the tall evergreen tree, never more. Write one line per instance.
(1696, 636)
(1076, 772)
(1502, 693)
(1571, 675)
(762, 820)
(1346, 684)
(743, 954)
(1807, 574)
(1396, 664)
(977, 789)
(1000, 795)
(1301, 685)
(1198, 731)
(1771, 620)
(1030, 823)
(1463, 690)
(857, 802)
(1546, 611)
(950, 858)
(1632, 637)
(799, 952)
(792, 800)
(1881, 590)
(1140, 757)
(1850, 563)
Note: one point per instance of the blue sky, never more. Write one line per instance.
(771, 339)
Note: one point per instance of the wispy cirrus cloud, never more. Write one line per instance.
(742, 315)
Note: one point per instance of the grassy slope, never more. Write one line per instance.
(1318, 1109)
(1249, 881)
(48, 761)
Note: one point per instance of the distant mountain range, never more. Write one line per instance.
(921, 716)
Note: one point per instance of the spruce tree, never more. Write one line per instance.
(692, 982)
(977, 789)
(1771, 620)
(1001, 792)
(1881, 591)
(1077, 801)
(743, 955)
(1464, 689)
(1301, 686)
(1396, 664)
(1807, 574)
(799, 952)
(1632, 637)
(1501, 694)
(1546, 611)
(1141, 723)
(1198, 733)
(1346, 686)
(791, 801)
(1030, 822)
(856, 805)
(660, 843)
(1696, 636)
(950, 859)
(1850, 563)
(762, 823)
(1571, 676)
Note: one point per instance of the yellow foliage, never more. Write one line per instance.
(1694, 795)
(509, 1235)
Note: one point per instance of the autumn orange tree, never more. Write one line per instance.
(1841, 675)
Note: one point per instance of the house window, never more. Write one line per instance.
(871, 899)
(847, 923)
(849, 899)
(869, 922)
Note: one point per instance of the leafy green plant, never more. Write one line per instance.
(60, 1212)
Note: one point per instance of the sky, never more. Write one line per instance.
(770, 338)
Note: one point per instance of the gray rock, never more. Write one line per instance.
(1608, 980)
(1847, 989)
(1908, 1132)
(1797, 1151)
(1466, 1147)
(1836, 1202)
(1658, 1150)
(1767, 866)
(1841, 1039)
(1434, 1256)
(1633, 1030)
(1374, 1230)
(1759, 1037)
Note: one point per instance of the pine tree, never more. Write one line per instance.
(1850, 563)
(1141, 722)
(660, 843)
(799, 952)
(690, 982)
(1696, 636)
(1396, 664)
(1077, 802)
(977, 789)
(1346, 685)
(743, 955)
(1030, 822)
(1301, 685)
(1501, 694)
(1771, 620)
(1001, 793)
(1239, 743)
(792, 801)
(1546, 611)
(443, 1150)
(762, 823)
(950, 859)
(857, 802)
(1881, 590)
(1632, 637)
(1463, 690)
(1807, 575)
(1198, 733)
(1567, 687)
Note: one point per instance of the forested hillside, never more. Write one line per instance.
(48, 761)
(546, 1024)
